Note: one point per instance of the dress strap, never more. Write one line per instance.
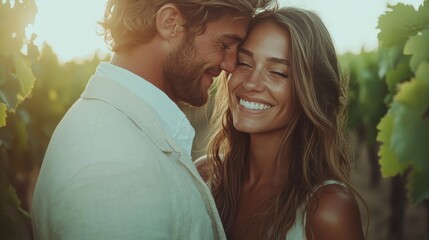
(297, 231)
(328, 182)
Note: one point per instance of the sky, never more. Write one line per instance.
(70, 26)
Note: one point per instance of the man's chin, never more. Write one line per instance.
(198, 102)
(207, 81)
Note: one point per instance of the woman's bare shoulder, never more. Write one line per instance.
(334, 213)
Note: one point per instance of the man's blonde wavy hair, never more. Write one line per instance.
(129, 23)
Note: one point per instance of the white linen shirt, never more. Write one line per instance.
(173, 118)
(112, 171)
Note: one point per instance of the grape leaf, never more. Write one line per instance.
(394, 68)
(25, 77)
(398, 74)
(18, 84)
(422, 76)
(411, 133)
(400, 23)
(390, 166)
(9, 92)
(411, 136)
(389, 58)
(418, 185)
(418, 47)
(422, 73)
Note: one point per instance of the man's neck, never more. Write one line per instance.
(145, 61)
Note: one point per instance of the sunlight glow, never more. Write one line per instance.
(70, 26)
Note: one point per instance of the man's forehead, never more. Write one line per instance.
(230, 27)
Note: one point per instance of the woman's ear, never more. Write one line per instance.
(169, 21)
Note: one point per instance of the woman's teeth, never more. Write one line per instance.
(254, 105)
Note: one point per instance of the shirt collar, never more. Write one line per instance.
(173, 118)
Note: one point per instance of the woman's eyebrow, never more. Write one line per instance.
(271, 59)
(279, 60)
(245, 51)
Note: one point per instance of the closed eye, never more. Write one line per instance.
(243, 64)
(281, 74)
(225, 46)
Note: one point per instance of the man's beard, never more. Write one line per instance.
(183, 71)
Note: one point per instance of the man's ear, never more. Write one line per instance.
(169, 21)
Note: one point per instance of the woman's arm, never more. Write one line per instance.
(333, 214)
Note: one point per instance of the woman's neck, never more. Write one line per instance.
(264, 170)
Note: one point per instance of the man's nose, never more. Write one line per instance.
(229, 61)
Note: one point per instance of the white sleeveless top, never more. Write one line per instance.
(297, 232)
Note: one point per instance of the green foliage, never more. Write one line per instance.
(25, 138)
(58, 86)
(388, 92)
(409, 106)
(400, 23)
(30, 124)
(14, 18)
(389, 96)
(3, 114)
(366, 95)
(16, 83)
(419, 179)
(14, 222)
(418, 47)
(16, 78)
(390, 165)
(19, 84)
(404, 130)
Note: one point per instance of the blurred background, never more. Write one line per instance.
(50, 48)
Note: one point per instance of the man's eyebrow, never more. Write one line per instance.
(234, 37)
(271, 59)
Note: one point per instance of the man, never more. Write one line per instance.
(118, 165)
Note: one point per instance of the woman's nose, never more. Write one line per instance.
(254, 82)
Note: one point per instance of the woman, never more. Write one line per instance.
(277, 163)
